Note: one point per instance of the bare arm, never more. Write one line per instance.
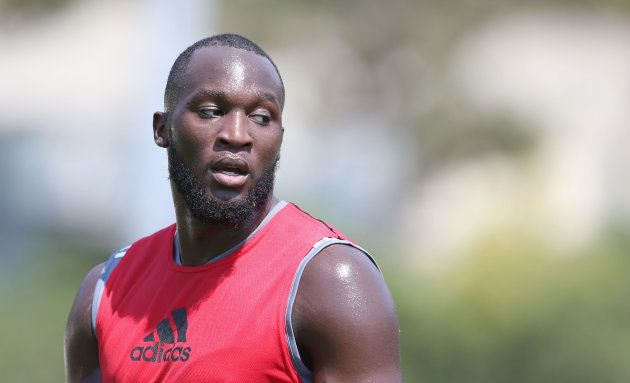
(81, 348)
(345, 319)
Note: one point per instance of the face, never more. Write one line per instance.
(224, 134)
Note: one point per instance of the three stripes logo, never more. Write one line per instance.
(167, 349)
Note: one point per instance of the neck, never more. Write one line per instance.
(200, 242)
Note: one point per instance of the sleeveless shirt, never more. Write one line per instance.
(226, 321)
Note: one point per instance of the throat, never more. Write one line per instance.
(213, 246)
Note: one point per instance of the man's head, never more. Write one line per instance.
(222, 129)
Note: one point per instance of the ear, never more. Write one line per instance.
(160, 126)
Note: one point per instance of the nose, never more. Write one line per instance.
(234, 133)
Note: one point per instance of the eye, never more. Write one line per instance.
(260, 118)
(209, 112)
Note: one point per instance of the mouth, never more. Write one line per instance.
(230, 171)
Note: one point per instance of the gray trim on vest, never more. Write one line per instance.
(106, 272)
(274, 210)
(305, 373)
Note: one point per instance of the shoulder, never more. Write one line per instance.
(345, 319)
(81, 308)
(342, 282)
(82, 312)
(81, 353)
(80, 344)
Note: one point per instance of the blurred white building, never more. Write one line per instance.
(565, 72)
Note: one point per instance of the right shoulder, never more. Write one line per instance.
(85, 307)
(81, 312)
(81, 348)
(80, 344)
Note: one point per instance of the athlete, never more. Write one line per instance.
(244, 287)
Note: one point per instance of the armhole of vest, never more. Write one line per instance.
(106, 272)
(303, 371)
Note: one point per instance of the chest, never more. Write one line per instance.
(224, 325)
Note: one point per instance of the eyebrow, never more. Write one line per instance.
(268, 96)
(211, 93)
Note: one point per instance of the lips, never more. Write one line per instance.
(230, 171)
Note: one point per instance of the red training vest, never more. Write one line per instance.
(221, 322)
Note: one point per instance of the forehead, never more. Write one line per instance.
(230, 70)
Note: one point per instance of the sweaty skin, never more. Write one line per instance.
(345, 319)
(230, 104)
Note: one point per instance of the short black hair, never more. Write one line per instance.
(171, 92)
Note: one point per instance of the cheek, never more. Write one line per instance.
(270, 146)
(266, 151)
(193, 143)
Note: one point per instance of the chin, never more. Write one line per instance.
(222, 193)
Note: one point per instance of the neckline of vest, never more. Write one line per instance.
(176, 254)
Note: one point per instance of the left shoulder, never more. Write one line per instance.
(345, 319)
(343, 267)
(342, 283)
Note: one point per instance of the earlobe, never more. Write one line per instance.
(160, 126)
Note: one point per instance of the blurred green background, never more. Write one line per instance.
(479, 149)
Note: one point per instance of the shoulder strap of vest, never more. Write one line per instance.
(106, 272)
(303, 371)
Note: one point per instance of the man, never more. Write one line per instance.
(244, 287)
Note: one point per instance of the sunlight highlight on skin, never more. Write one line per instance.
(236, 73)
(343, 271)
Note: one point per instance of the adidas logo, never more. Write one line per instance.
(161, 351)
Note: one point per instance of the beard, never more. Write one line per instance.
(209, 209)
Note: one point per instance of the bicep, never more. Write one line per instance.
(81, 348)
(345, 319)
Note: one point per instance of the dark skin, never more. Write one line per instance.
(231, 105)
